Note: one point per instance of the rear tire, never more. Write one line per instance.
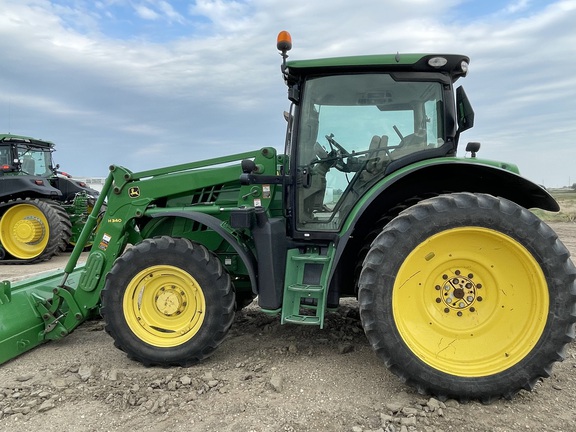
(168, 302)
(34, 230)
(468, 296)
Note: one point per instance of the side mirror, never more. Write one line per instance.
(464, 110)
(473, 147)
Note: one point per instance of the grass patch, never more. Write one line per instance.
(567, 200)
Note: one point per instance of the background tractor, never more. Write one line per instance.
(42, 210)
(462, 291)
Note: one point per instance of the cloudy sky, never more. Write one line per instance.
(150, 83)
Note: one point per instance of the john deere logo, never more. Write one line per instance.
(134, 192)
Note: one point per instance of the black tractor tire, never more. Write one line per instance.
(168, 302)
(66, 227)
(378, 226)
(468, 296)
(34, 230)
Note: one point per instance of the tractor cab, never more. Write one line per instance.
(356, 120)
(25, 156)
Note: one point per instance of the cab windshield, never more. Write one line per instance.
(351, 128)
(34, 160)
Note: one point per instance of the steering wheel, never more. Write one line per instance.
(333, 143)
(338, 153)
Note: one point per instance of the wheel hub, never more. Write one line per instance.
(170, 300)
(164, 305)
(28, 230)
(458, 291)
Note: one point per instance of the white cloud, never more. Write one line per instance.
(145, 12)
(517, 6)
(215, 87)
(169, 12)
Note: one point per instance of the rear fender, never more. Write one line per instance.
(70, 187)
(435, 177)
(17, 186)
(445, 176)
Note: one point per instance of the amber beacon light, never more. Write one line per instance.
(284, 44)
(284, 41)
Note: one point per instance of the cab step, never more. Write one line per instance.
(306, 285)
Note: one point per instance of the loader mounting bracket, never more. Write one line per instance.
(60, 314)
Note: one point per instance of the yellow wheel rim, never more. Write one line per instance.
(24, 231)
(164, 306)
(470, 302)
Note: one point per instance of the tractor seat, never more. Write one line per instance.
(377, 157)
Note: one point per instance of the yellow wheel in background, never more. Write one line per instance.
(24, 231)
(164, 306)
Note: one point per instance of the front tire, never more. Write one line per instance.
(468, 296)
(168, 302)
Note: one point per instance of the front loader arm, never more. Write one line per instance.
(51, 306)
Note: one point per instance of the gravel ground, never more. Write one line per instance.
(264, 377)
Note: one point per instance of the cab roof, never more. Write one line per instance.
(455, 65)
(14, 139)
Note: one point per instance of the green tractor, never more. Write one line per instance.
(42, 210)
(462, 291)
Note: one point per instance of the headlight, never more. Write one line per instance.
(437, 62)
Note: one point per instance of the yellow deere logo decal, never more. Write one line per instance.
(134, 192)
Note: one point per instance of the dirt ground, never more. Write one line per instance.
(264, 377)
